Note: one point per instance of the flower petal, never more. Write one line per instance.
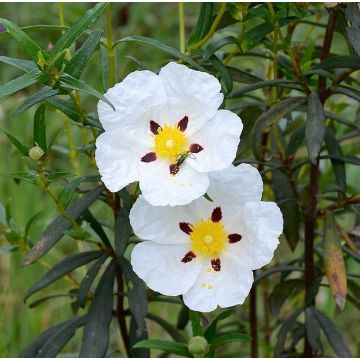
(161, 268)
(227, 287)
(192, 93)
(139, 98)
(161, 188)
(220, 139)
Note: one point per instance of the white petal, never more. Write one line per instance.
(118, 156)
(220, 138)
(161, 223)
(227, 287)
(139, 98)
(160, 188)
(161, 268)
(261, 225)
(192, 93)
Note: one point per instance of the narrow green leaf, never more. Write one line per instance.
(295, 141)
(23, 149)
(225, 75)
(23, 40)
(78, 28)
(315, 127)
(210, 332)
(23, 81)
(24, 65)
(54, 232)
(96, 332)
(353, 34)
(334, 336)
(159, 45)
(203, 23)
(67, 193)
(195, 319)
(65, 106)
(8, 249)
(218, 44)
(104, 67)
(40, 127)
(77, 64)
(43, 94)
(68, 82)
(96, 226)
(62, 268)
(134, 338)
(170, 329)
(221, 340)
(168, 346)
(312, 330)
(37, 302)
(123, 231)
(242, 76)
(352, 13)
(339, 62)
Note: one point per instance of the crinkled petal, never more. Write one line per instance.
(139, 98)
(219, 138)
(160, 188)
(192, 93)
(161, 268)
(227, 287)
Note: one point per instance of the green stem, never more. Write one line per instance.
(181, 27)
(110, 49)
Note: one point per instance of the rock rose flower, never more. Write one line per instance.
(206, 250)
(167, 132)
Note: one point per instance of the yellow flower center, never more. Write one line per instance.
(208, 238)
(170, 142)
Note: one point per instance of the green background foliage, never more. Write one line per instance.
(297, 100)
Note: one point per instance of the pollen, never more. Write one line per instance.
(208, 238)
(170, 142)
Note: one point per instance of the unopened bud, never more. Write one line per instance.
(198, 345)
(36, 153)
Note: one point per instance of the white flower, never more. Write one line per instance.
(206, 251)
(167, 133)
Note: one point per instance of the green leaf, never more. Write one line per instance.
(221, 340)
(312, 330)
(8, 249)
(338, 167)
(334, 336)
(36, 303)
(23, 40)
(65, 106)
(295, 141)
(40, 127)
(62, 268)
(225, 75)
(134, 338)
(104, 67)
(159, 45)
(339, 62)
(54, 232)
(68, 82)
(78, 28)
(353, 34)
(218, 44)
(68, 192)
(24, 65)
(168, 346)
(43, 94)
(123, 232)
(23, 81)
(242, 76)
(210, 332)
(77, 64)
(96, 332)
(17, 143)
(270, 117)
(203, 23)
(89, 279)
(195, 319)
(170, 329)
(96, 226)
(315, 127)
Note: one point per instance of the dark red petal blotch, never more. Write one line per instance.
(185, 227)
(149, 157)
(216, 215)
(195, 148)
(183, 123)
(216, 264)
(234, 238)
(154, 127)
(188, 257)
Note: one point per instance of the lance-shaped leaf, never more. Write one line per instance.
(340, 62)
(210, 332)
(312, 330)
(221, 340)
(96, 332)
(24, 65)
(242, 76)
(353, 34)
(23, 149)
(225, 75)
(40, 127)
(134, 338)
(334, 262)
(165, 345)
(270, 117)
(295, 141)
(218, 44)
(78, 28)
(54, 232)
(65, 106)
(203, 23)
(23, 81)
(23, 40)
(77, 64)
(68, 192)
(315, 127)
(123, 232)
(62, 268)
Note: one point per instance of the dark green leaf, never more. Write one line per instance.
(352, 13)
(312, 330)
(62, 268)
(17, 143)
(104, 67)
(68, 82)
(77, 64)
(282, 268)
(353, 34)
(203, 23)
(221, 340)
(341, 120)
(168, 346)
(23, 40)
(96, 332)
(242, 76)
(24, 65)
(37, 302)
(135, 338)
(123, 231)
(210, 332)
(78, 28)
(195, 319)
(352, 93)
(40, 127)
(225, 75)
(340, 62)
(54, 232)
(183, 317)
(68, 192)
(96, 226)
(23, 81)
(159, 45)
(334, 336)
(295, 141)
(8, 250)
(315, 127)
(218, 44)
(170, 329)
(65, 106)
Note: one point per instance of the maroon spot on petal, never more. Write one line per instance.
(185, 227)
(216, 264)
(234, 238)
(216, 215)
(188, 257)
(154, 127)
(174, 169)
(195, 148)
(183, 123)
(149, 157)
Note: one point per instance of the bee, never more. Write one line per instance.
(175, 168)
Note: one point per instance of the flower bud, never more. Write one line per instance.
(36, 153)
(198, 345)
